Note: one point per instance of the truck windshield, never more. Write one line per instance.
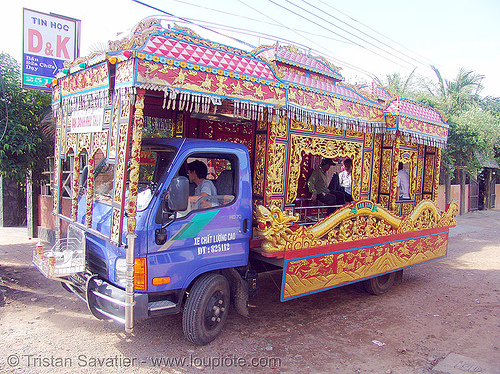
(154, 161)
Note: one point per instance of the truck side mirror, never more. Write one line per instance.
(178, 194)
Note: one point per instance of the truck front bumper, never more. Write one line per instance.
(104, 300)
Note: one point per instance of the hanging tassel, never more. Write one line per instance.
(164, 98)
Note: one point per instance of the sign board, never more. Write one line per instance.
(48, 41)
(88, 120)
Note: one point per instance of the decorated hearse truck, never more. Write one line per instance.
(129, 121)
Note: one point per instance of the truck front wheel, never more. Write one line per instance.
(206, 308)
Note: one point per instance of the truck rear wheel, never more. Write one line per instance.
(206, 309)
(381, 284)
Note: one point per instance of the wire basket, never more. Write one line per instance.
(65, 258)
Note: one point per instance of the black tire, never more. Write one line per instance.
(206, 309)
(381, 284)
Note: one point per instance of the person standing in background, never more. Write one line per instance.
(403, 184)
(345, 179)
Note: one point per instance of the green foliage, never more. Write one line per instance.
(24, 145)
(474, 120)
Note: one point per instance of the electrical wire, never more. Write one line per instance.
(184, 19)
(253, 20)
(312, 41)
(362, 32)
(375, 31)
(323, 27)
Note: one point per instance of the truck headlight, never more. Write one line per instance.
(121, 272)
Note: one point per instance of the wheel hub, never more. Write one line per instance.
(215, 310)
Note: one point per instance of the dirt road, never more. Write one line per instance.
(449, 306)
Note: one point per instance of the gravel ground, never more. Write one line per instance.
(446, 306)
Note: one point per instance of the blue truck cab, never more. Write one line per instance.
(203, 248)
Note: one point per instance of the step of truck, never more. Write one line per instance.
(159, 305)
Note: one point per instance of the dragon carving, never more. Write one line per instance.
(274, 227)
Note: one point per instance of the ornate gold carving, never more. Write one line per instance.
(302, 126)
(429, 173)
(420, 174)
(115, 225)
(113, 135)
(368, 140)
(436, 174)
(261, 125)
(367, 167)
(83, 142)
(71, 142)
(377, 149)
(260, 164)
(100, 141)
(279, 129)
(135, 160)
(329, 148)
(385, 183)
(360, 220)
(329, 128)
(274, 227)
(426, 216)
(276, 168)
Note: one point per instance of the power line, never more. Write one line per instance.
(188, 21)
(359, 45)
(313, 42)
(184, 19)
(364, 33)
(375, 31)
(254, 20)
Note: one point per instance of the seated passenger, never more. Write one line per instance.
(318, 185)
(197, 173)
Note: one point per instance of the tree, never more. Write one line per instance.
(474, 123)
(24, 144)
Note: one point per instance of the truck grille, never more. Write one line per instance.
(97, 265)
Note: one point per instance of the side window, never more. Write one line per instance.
(212, 179)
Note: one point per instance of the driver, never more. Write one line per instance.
(197, 174)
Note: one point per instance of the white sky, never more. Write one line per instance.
(447, 34)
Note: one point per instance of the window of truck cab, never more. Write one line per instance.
(222, 172)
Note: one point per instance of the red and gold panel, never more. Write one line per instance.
(210, 81)
(124, 73)
(85, 80)
(424, 128)
(345, 263)
(325, 104)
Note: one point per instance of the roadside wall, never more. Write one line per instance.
(455, 195)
